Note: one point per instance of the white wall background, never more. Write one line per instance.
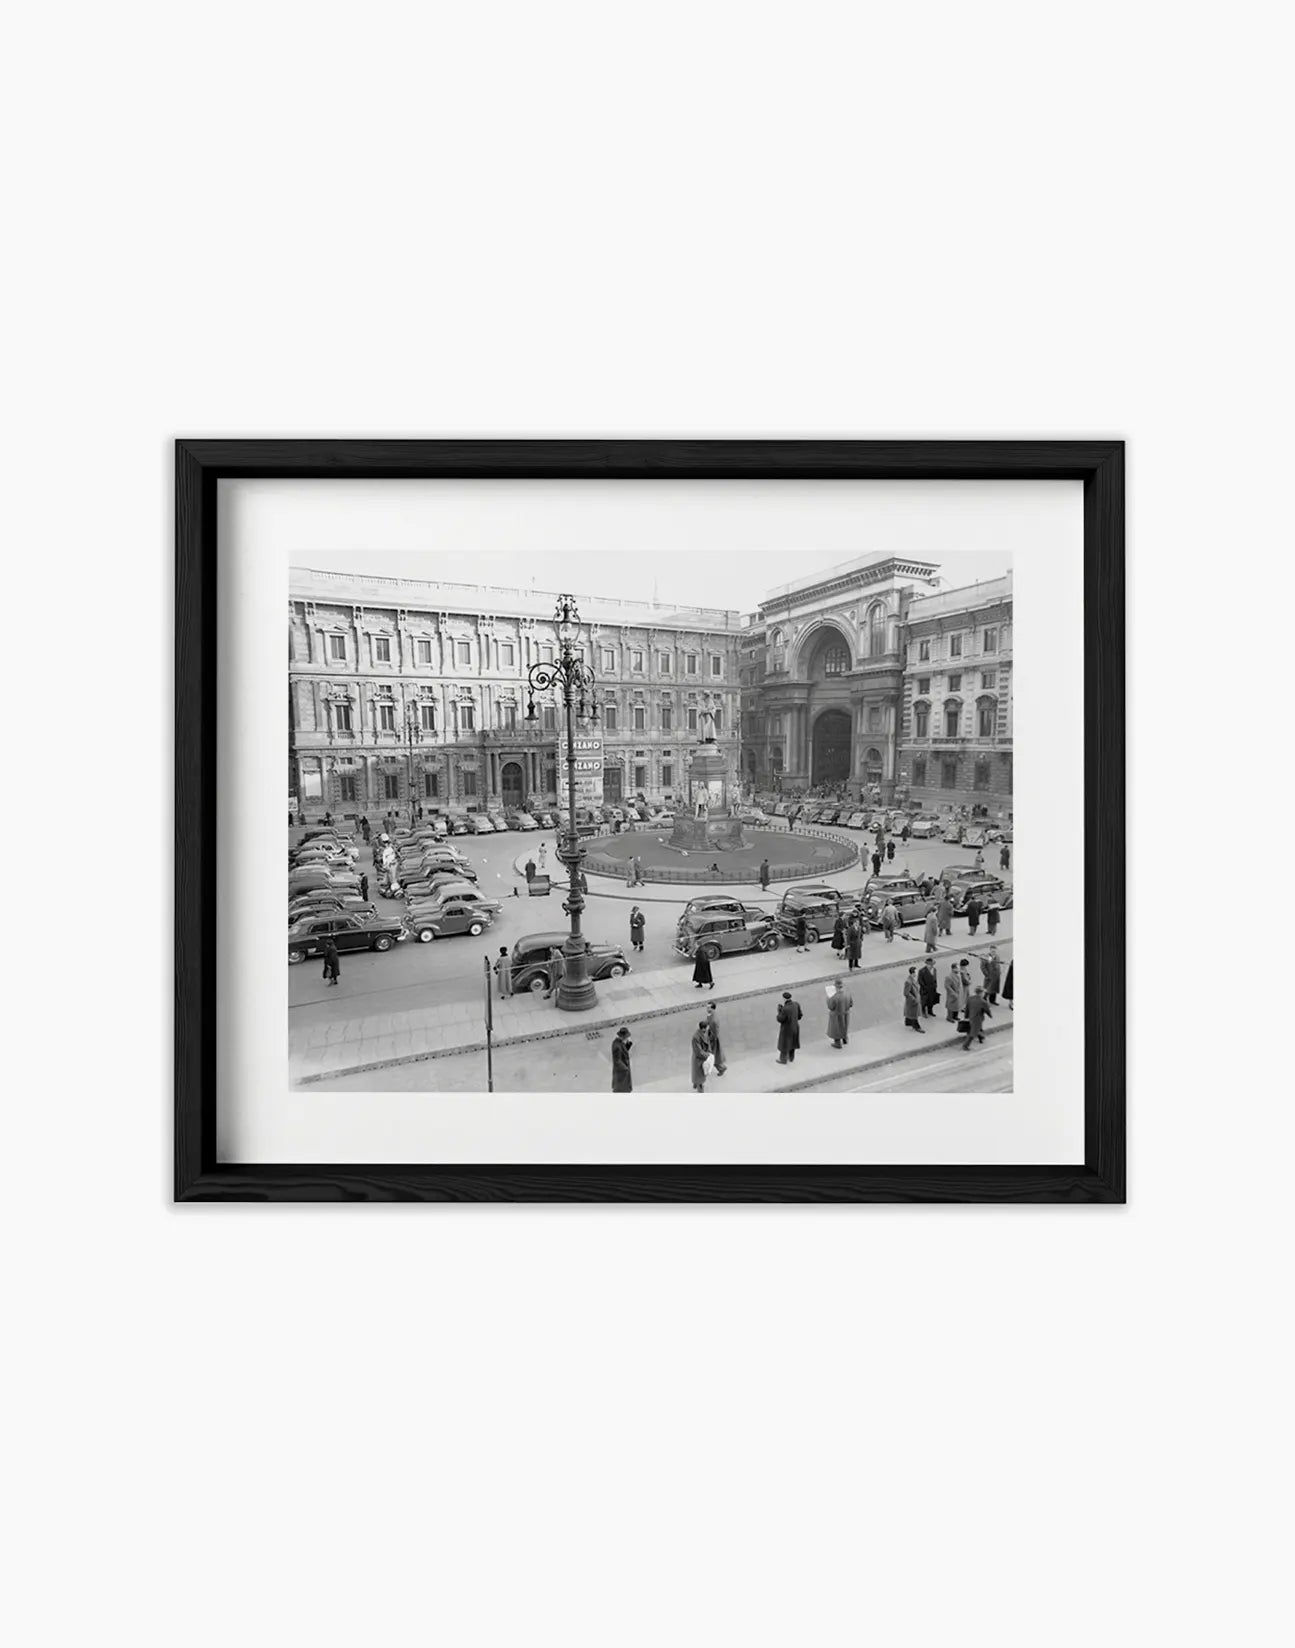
(485, 1426)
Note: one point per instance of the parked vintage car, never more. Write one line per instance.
(519, 820)
(910, 904)
(989, 889)
(348, 931)
(435, 863)
(856, 821)
(722, 904)
(459, 824)
(925, 827)
(429, 886)
(956, 872)
(819, 904)
(888, 884)
(322, 903)
(455, 915)
(977, 835)
(454, 890)
(714, 933)
(546, 820)
(530, 960)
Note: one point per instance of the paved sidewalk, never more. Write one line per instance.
(382, 1039)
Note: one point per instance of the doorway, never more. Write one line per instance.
(831, 748)
(512, 784)
(613, 783)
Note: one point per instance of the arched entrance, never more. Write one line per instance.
(512, 784)
(831, 748)
(872, 768)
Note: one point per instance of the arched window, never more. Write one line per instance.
(952, 718)
(876, 630)
(777, 649)
(921, 720)
(836, 660)
(986, 717)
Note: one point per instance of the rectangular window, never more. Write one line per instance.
(924, 686)
(637, 662)
(382, 649)
(609, 718)
(550, 722)
(919, 770)
(508, 717)
(337, 648)
(667, 774)
(343, 714)
(991, 640)
(988, 680)
(391, 787)
(507, 657)
(386, 718)
(431, 785)
(467, 717)
(949, 775)
(719, 718)
(546, 653)
(609, 661)
(955, 683)
(427, 717)
(985, 721)
(955, 646)
(667, 717)
(640, 778)
(924, 652)
(692, 720)
(717, 665)
(469, 783)
(640, 718)
(692, 663)
(424, 652)
(550, 777)
(346, 787)
(463, 652)
(667, 663)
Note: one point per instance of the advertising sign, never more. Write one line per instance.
(588, 769)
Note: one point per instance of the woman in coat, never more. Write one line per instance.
(991, 919)
(854, 941)
(637, 924)
(839, 1004)
(701, 973)
(801, 931)
(716, 1045)
(838, 935)
(622, 1077)
(953, 994)
(332, 962)
(991, 971)
(913, 1003)
(700, 1048)
(789, 1016)
(931, 929)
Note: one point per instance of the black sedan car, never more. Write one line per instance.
(530, 960)
(347, 931)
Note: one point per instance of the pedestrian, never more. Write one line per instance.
(889, 921)
(991, 918)
(972, 911)
(991, 972)
(700, 1053)
(964, 986)
(854, 940)
(944, 911)
(764, 875)
(890, 852)
(365, 829)
(953, 994)
(716, 1045)
(530, 869)
(582, 881)
(876, 863)
(328, 818)
(1005, 858)
(928, 987)
(789, 1017)
(504, 973)
(1007, 988)
(930, 929)
(839, 1003)
(913, 1002)
(802, 935)
(905, 833)
(557, 970)
(638, 921)
(332, 961)
(544, 850)
(980, 859)
(977, 1011)
(364, 887)
(838, 934)
(622, 1077)
(701, 973)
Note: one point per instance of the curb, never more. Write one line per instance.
(876, 1064)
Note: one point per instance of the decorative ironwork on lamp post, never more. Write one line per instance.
(413, 735)
(573, 679)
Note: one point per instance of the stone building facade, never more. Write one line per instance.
(822, 680)
(956, 745)
(409, 693)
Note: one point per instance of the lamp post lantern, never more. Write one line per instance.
(573, 679)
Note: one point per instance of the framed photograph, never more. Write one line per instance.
(664, 821)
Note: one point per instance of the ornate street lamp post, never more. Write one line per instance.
(574, 680)
(413, 735)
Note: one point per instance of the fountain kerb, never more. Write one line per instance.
(572, 680)
(707, 822)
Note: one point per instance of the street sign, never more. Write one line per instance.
(588, 768)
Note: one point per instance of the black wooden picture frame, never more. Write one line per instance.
(201, 464)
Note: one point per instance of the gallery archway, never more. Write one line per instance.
(512, 784)
(831, 752)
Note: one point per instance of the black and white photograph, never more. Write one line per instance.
(600, 822)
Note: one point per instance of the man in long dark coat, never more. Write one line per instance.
(991, 971)
(977, 1011)
(332, 961)
(912, 1002)
(530, 869)
(789, 1017)
(701, 973)
(930, 930)
(716, 1044)
(953, 994)
(890, 852)
(853, 941)
(972, 911)
(928, 987)
(944, 911)
(876, 863)
(1005, 858)
(700, 1049)
(991, 919)
(638, 921)
(764, 875)
(622, 1077)
(839, 1004)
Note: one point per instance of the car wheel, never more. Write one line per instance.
(425, 935)
(769, 941)
(811, 935)
(294, 956)
(538, 985)
(476, 929)
(710, 951)
(617, 971)
(382, 942)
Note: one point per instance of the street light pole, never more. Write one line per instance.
(575, 680)
(413, 733)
